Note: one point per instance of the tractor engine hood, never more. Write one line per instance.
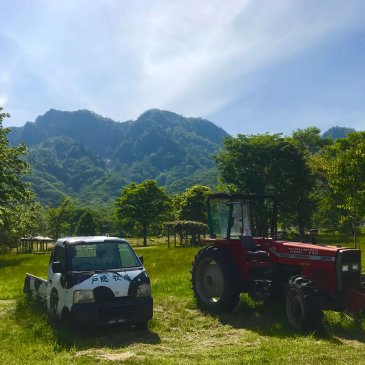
(302, 251)
(333, 269)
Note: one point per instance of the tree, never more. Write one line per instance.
(309, 140)
(142, 207)
(192, 204)
(346, 177)
(17, 206)
(86, 225)
(271, 165)
(60, 218)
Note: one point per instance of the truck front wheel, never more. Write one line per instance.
(215, 280)
(303, 306)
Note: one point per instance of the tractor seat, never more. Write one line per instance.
(253, 252)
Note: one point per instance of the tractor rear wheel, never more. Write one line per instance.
(303, 305)
(215, 280)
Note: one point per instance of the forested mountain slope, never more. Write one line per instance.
(90, 157)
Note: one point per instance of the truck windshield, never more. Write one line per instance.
(102, 256)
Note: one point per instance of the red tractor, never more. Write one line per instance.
(244, 255)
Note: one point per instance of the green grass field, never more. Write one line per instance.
(255, 333)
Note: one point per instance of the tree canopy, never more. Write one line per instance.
(346, 176)
(270, 165)
(309, 140)
(192, 204)
(60, 218)
(17, 206)
(142, 207)
(86, 226)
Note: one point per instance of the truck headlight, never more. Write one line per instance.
(345, 267)
(83, 296)
(144, 290)
(355, 267)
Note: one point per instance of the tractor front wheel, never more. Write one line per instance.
(215, 280)
(303, 306)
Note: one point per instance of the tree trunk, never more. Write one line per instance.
(355, 235)
(144, 236)
(300, 221)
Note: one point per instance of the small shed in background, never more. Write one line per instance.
(36, 245)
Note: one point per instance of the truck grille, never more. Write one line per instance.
(348, 267)
(117, 313)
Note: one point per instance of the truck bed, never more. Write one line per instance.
(35, 285)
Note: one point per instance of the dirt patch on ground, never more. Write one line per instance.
(101, 354)
(349, 342)
(116, 357)
(6, 305)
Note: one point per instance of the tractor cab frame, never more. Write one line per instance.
(230, 215)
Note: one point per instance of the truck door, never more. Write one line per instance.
(56, 283)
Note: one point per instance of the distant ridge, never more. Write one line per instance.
(338, 132)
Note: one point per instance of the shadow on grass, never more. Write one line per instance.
(32, 315)
(265, 318)
(268, 318)
(113, 337)
(14, 261)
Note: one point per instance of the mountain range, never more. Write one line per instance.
(91, 158)
(87, 156)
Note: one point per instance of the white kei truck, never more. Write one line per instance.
(94, 281)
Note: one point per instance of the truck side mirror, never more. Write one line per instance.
(57, 267)
(141, 259)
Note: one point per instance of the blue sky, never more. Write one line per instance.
(249, 66)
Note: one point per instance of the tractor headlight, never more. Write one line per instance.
(350, 267)
(144, 290)
(83, 296)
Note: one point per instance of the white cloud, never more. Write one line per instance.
(120, 58)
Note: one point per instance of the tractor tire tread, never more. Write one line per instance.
(312, 302)
(231, 294)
